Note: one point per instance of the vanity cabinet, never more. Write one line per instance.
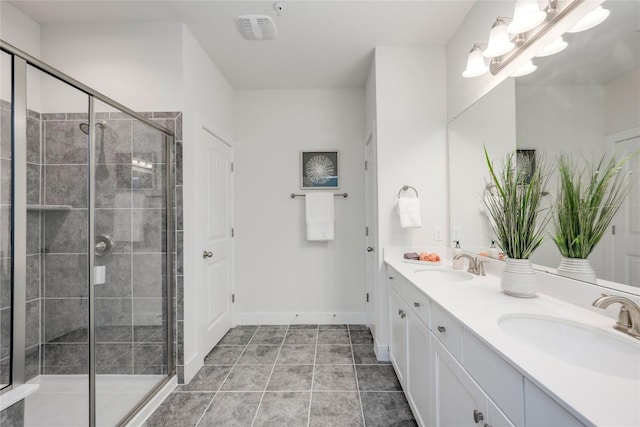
(428, 362)
(410, 341)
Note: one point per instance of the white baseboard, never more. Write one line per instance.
(381, 351)
(341, 318)
(153, 404)
(192, 366)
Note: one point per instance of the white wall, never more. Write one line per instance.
(279, 273)
(208, 100)
(410, 87)
(22, 32)
(623, 102)
(138, 65)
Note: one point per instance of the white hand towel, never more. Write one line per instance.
(409, 212)
(320, 216)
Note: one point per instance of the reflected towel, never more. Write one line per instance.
(320, 216)
(409, 212)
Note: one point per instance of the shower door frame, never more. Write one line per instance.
(20, 61)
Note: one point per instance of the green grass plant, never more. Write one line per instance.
(519, 220)
(588, 200)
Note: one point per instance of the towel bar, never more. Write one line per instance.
(405, 188)
(345, 195)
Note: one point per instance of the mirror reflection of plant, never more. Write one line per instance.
(588, 200)
(518, 219)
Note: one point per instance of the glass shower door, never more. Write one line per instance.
(6, 251)
(57, 242)
(131, 262)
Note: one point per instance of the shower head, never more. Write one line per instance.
(84, 127)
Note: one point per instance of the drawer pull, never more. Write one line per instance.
(416, 304)
(401, 313)
(477, 416)
(443, 330)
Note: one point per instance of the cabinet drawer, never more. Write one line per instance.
(497, 378)
(447, 330)
(543, 411)
(495, 417)
(416, 300)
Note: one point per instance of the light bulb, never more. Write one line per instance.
(593, 18)
(552, 48)
(525, 69)
(499, 42)
(526, 16)
(475, 63)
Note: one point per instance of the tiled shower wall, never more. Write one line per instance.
(130, 207)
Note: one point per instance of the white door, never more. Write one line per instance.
(626, 240)
(216, 250)
(371, 230)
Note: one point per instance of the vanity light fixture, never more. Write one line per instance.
(499, 41)
(526, 16)
(475, 63)
(556, 46)
(526, 69)
(593, 18)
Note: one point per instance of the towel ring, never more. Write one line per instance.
(405, 188)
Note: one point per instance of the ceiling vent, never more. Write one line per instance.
(256, 27)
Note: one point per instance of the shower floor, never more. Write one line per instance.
(63, 400)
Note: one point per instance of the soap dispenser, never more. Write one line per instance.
(493, 250)
(458, 264)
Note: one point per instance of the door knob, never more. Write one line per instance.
(369, 249)
(207, 254)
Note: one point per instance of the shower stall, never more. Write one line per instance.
(87, 253)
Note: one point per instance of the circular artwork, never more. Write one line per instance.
(319, 169)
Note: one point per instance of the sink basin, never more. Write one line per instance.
(442, 275)
(576, 343)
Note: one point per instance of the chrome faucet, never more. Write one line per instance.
(628, 317)
(476, 265)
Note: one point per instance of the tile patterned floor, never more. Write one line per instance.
(298, 375)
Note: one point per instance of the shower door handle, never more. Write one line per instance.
(207, 254)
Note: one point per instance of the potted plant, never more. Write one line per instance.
(518, 220)
(588, 200)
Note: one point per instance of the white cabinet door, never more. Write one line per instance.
(398, 335)
(419, 381)
(458, 400)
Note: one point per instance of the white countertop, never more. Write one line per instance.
(592, 397)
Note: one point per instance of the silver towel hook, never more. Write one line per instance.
(405, 188)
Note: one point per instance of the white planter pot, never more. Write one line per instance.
(577, 268)
(519, 278)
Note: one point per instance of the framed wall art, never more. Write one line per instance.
(319, 169)
(525, 164)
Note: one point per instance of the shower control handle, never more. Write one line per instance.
(103, 245)
(207, 254)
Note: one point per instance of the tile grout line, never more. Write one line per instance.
(226, 376)
(313, 374)
(355, 370)
(255, 416)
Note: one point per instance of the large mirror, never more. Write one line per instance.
(585, 101)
